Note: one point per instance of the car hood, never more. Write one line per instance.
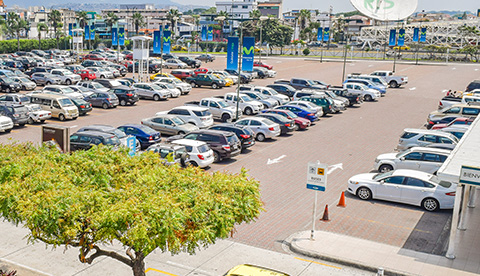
(387, 156)
(188, 127)
(362, 178)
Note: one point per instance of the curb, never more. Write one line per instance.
(336, 259)
(22, 270)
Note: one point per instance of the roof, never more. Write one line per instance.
(2, 4)
(197, 108)
(189, 142)
(466, 153)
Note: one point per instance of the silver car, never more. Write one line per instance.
(169, 124)
(262, 127)
(318, 110)
(174, 63)
(26, 83)
(184, 87)
(423, 137)
(151, 91)
(417, 158)
(45, 79)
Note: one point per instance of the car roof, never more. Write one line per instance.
(193, 108)
(427, 131)
(189, 142)
(94, 133)
(99, 127)
(412, 173)
(431, 150)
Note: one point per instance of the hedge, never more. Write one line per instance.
(11, 46)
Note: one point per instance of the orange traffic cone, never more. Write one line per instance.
(325, 215)
(341, 203)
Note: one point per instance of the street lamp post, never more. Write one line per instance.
(161, 47)
(262, 18)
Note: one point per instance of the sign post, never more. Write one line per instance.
(316, 180)
(131, 144)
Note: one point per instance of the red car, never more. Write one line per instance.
(261, 64)
(200, 71)
(457, 121)
(129, 56)
(87, 74)
(300, 123)
(93, 57)
(182, 73)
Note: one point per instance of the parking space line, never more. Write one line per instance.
(388, 224)
(305, 260)
(156, 270)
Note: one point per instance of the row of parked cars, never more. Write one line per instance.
(409, 175)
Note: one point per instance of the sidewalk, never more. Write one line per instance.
(370, 255)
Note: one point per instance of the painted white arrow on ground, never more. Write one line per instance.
(332, 168)
(413, 88)
(276, 160)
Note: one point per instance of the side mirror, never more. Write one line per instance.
(382, 182)
(402, 158)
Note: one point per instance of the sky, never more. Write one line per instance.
(344, 5)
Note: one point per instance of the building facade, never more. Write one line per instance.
(271, 8)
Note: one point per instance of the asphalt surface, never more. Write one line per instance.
(353, 138)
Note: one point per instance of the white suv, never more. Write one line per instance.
(198, 116)
(358, 88)
(199, 153)
(246, 104)
(66, 76)
(423, 137)
(151, 91)
(423, 159)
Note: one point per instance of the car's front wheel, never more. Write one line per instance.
(385, 168)
(364, 193)
(226, 118)
(368, 98)
(260, 137)
(393, 84)
(216, 157)
(156, 98)
(248, 111)
(214, 85)
(430, 204)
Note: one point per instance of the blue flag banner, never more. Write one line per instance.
(326, 34)
(320, 34)
(423, 35)
(393, 37)
(92, 32)
(210, 33)
(166, 41)
(121, 36)
(248, 52)
(156, 42)
(70, 27)
(87, 32)
(232, 53)
(401, 37)
(204, 33)
(114, 37)
(415, 34)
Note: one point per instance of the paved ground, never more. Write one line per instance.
(353, 138)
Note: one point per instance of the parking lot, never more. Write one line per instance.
(353, 138)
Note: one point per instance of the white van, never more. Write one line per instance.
(184, 38)
(471, 99)
(61, 107)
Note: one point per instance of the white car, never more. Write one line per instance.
(184, 87)
(101, 73)
(404, 186)
(94, 86)
(6, 124)
(36, 114)
(66, 76)
(174, 63)
(246, 104)
(263, 128)
(428, 160)
(199, 153)
(198, 116)
(358, 88)
(174, 91)
(151, 91)
(308, 105)
(269, 92)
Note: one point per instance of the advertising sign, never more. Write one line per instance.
(114, 37)
(166, 41)
(204, 33)
(415, 34)
(156, 42)
(210, 34)
(423, 35)
(320, 34)
(232, 53)
(121, 36)
(92, 32)
(87, 32)
(393, 38)
(248, 52)
(326, 34)
(401, 37)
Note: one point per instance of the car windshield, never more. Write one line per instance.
(222, 104)
(97, 85)
(177, 80)
(82, 89)
(67, 90)
(178, 121)
(8, 80)
(66, 73)
(147, 130)
(272, 91)
(254, 96)
(442, 183)
(232, 138)
(400, 154)
(65, 102)
(34, 107)
(156, 87)
(311, 82)
(379, 176)
(22, 79)
(246, 98)
(291, 114)
(112, 141)
(24, 99)
(120, 134)
(202, 113)
(169, 85)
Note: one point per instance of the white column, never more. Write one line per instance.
(473, 197)
(463, 213)
(453, 229)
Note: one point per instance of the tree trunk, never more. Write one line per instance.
(18, 42)
(39, 42)
(139, 265)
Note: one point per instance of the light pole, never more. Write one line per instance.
(262, 18)
(161, 47)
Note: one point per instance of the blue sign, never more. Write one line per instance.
(401, 37)
(167, 41)
(132, 145)
(87, 32)
(248, 52)
(70, 27)
(393, 38)
(320, 34)
(204, 33)
(121, 36)
(326, 34)
(210, 33)
(415, 34)
(232, 53)
(316, 187)
(114, 37)
(92, 32)
(156, 42)
(423, 35)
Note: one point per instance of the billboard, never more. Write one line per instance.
(232, 53)
(248, 52)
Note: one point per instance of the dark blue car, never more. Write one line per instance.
(147, 136)
(444, 120)
(300, 112)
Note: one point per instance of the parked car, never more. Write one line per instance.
(300, 123)
(286, 125)
(284, 89)
(368, 94)
(7, 85)
(82, 90)
(262, 64)
(353, 98)
(150, 91)
(299, 111)
(244, 133)
(191, 62)
(170, 153)
(245, 103)
(266, 101)
(6, 124)
(404, 186)
(125, 95)
(25, 83)
(196, 115)
(417, 158)
(458, 110)
(101, 73)
(309, 106)
(75, 68)
(66, 76)
(14, 99)
(86, 74)
(461, 121)
(199, 153)
(104, 100)
(392, 80)
(262, 128)
(94, 86)
(184, 88)
(380, 88)
(122, 137)
(83, 106)
(205, 80)
(423, 137)
(85, 140)
(324, 102)
(169, 124)
(45, 79)
(174, 63)
(93, 57)
(205, 58)
(146, 135)
(62, 90)
(18, 113)
(172, 89)
(219, 108)
(36, 114)
(253, 270)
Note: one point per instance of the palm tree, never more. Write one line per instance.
(82, 18)
(255, 14)
(15, 25)
(172, 16)
(41, 27)
(304, 17)
(138, 21)
(55, 18)
(111, 20)
(226, 16)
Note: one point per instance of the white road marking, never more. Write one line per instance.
(454, 68)
(476, 69)
(332, 168)
(276, 160)
(413, 88)
(444, 91)
(371, 65)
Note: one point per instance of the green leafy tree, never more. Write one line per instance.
(82, 18)
(55, 19)
(15, 25)
(304, 17)
(212, 10)
(255, 14)
(111, 20)
(41, 27)
(88, 199)
(173, 15)
(138, 21)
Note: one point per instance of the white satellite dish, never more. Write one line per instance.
(386, 10)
